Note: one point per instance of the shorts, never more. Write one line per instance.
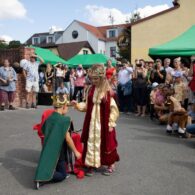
(32, 86)
(7, 96)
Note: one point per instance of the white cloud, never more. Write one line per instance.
(12, 9)
(6, 38)
(99, 15)
(149, 10)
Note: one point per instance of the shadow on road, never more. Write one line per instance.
(21, 163)
(189, 165)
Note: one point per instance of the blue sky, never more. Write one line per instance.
(19, 19)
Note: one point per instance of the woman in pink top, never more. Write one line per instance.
(79, 83)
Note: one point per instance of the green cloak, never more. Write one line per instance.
(54, 130)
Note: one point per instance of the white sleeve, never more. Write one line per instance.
(129, 69)
(23, 63)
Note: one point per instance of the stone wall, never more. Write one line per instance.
(15, 55)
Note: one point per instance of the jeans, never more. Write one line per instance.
(67, 85)
(78, 93)
(191, 129)
(124, 101)
(60, 173)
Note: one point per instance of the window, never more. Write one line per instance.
(75, 34)
(36, 41)
(112, 33)
(85, 52)
(50, 39)
(113, 52)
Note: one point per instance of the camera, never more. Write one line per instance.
(139, 65)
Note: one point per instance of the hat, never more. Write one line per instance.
(154, 85)
(32, 56)
(59, 100)
(177, 74)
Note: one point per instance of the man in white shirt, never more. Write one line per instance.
(124, 87)
(167, 62)
(31, 73)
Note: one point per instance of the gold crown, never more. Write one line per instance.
(98, 73)
(59, 100)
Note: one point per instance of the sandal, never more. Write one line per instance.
(138, 114)
(89, 172)
(109, 171)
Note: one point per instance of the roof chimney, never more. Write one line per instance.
(52, 30)
(176, 2)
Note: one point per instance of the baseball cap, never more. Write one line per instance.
(155, 84)
(177, 74)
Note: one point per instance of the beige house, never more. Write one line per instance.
(161, 28)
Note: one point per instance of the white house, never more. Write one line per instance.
(102, 39)
(80, 38)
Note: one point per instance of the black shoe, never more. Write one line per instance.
(2, 108)
(38, 185)
(27, 106)
(182, 135)
(11, 107)
(34, 106)
(169, 132)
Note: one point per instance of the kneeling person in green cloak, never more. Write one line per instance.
(51, 165)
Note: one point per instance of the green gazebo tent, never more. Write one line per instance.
(89, 59)
(183, 45)
(48, 56)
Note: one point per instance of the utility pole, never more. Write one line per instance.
(111, 18)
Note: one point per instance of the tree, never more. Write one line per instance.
(125, 46)
(3, 44)
(14, 44)
(135, 17)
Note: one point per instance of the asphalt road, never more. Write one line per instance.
(152, 163)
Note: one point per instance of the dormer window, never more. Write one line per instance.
(36, 40)
(112, 33)
(50, 39)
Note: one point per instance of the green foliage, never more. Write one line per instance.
(125, 52)
(3, 44)
(135, 17)
(14, 44)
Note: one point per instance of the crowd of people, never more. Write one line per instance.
(163, 90)
(157, 88)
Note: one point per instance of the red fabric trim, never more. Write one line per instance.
(108, 139)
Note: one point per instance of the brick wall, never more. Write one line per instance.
(15, 55)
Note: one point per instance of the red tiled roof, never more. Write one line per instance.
(100, 32)
(94, 30)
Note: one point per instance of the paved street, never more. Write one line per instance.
(152, 163)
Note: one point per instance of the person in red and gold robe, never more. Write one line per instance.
(99, 135)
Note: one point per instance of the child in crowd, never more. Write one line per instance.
(191, 114)
(62, 90)
(179, 87)
(159, 100)
(152, 99)
(177, 115)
